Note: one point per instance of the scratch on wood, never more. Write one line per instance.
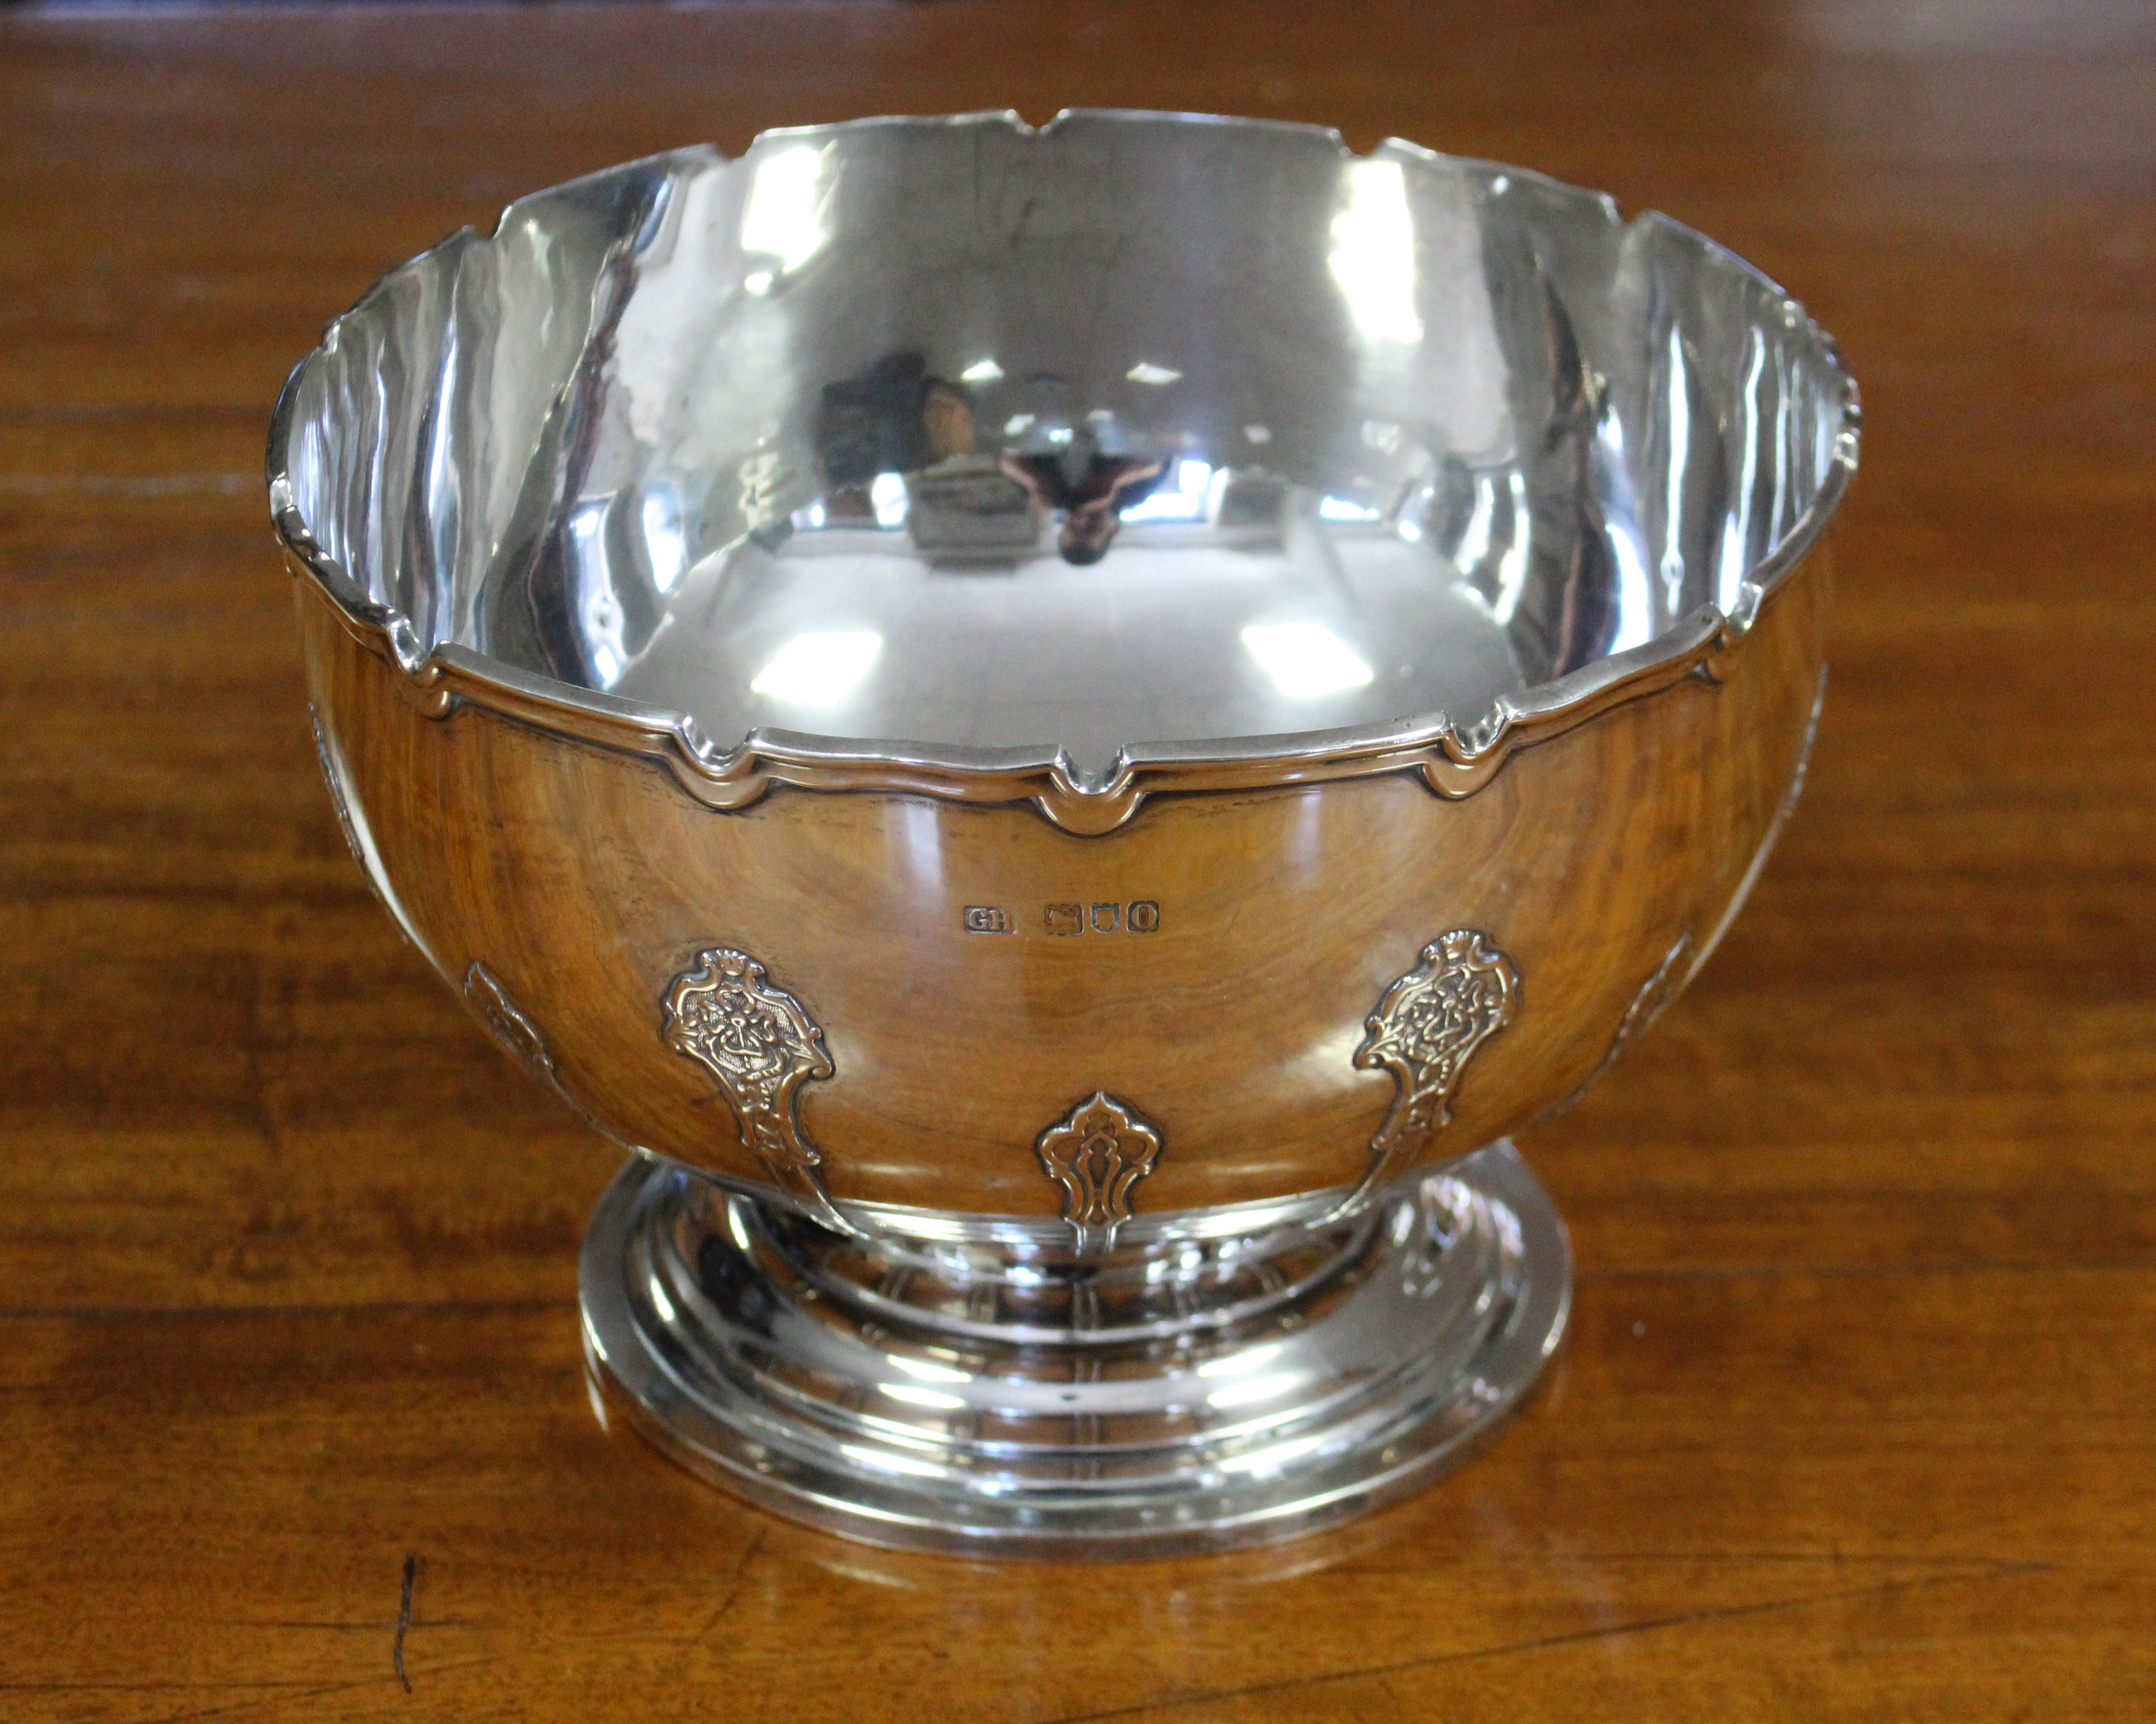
(404, 1618)
(127, 485)
(734, 1582)
(1546, 1642)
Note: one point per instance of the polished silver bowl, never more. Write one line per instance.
(1061, 730)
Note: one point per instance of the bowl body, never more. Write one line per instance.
(1076, 675)
(1063, 730)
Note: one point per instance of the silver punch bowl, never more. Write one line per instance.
(1059, 732)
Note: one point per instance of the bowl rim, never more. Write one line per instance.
(1454, 759)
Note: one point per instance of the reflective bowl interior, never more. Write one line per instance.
(1135, 429)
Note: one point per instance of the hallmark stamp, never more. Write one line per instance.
(1140, 916)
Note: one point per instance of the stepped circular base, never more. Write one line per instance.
(974, 1385)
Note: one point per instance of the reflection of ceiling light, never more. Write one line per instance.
(1236, 1364)
(599, 605)
(981, 371)
(785, 217)
(664, 545)
(1512, 568)
(884, 1460)
(757, 281)
(1261, 1462)
(929, 1372)
(887, 497)
(819, 669)
(1146, 372)
(1258, 433)
(1341, 508)
(914, 1396)
(1183, 499)
(1241, 1394)
(1016, 424)
(1304, 659)
(1374, 252)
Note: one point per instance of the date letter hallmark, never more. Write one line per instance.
(763, 1046)
(1424, 1031)
(1097, 1152)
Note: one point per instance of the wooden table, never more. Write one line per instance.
(1856, 1420)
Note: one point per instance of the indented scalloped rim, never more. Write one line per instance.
(1453, 760)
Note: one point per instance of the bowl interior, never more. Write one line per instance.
(1136, 429)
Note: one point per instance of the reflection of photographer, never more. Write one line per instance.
(897, 419)
(1086, 472)
(1092, 485)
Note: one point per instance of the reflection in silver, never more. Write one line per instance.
(977, 1386)
(1058, 418)
(785, 218)
(1373, 253)
(819, 668)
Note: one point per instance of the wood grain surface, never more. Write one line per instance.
(1856, 1420)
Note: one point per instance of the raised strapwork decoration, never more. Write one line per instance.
(1424, 1031)
(505, 1022)
(512, 1027)
(337, 797)
(1097, 1152)
(1654, 997)
(762, 1045)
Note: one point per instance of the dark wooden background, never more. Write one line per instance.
(1857, 1418)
